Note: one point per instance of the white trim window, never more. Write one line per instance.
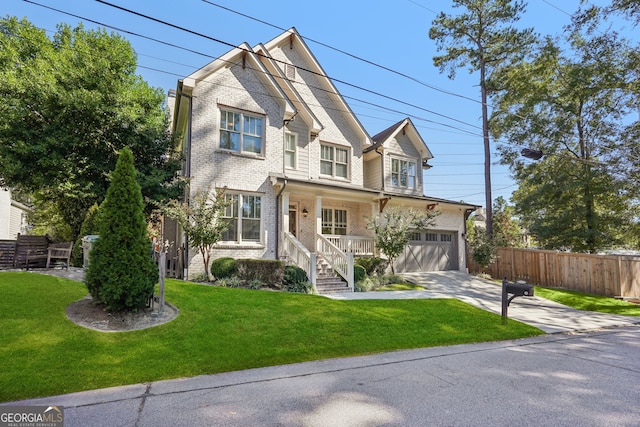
(290, 150)
(244, 216)
(241, 132)
(403, 173)
(334, 221)
(334, 161)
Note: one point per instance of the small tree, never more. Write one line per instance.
(121, 272)
(393, 228)
(201, 220)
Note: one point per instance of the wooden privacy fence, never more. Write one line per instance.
(609, 275)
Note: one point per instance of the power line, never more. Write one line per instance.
(261, 71)
(359, 58)
(282, 62)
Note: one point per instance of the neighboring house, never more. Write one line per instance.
(267, 124)
(13, 216)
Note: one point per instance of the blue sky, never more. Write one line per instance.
(391, 34)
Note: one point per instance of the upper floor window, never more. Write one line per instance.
(403, 173)
(243, 216)
(241, 132)
(290, 154)
(334, 161)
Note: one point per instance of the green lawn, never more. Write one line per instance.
(582, 301)
(218, 330)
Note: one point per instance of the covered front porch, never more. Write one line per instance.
(323, 229)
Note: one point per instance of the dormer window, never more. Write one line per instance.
(403, 173)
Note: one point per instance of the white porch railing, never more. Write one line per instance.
(300, 255)
(340, 261)
(357, 245)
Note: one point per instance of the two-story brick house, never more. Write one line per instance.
(267, 124)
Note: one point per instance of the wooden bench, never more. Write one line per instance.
(59, 253)
(31, 251)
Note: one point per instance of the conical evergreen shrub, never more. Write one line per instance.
(121, 272)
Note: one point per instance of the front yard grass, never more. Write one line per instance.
(588, 302)
(218, 330)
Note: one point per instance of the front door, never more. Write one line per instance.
(293, 220)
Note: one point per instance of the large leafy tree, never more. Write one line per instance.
(572, 106)
(121, 273)
(480, 39)
(69, 104)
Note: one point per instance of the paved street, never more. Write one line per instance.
(588, 379)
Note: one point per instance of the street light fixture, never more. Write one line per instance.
(532, 154)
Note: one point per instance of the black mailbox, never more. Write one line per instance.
(516, 290)
(520, 289)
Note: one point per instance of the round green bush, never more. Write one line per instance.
(223, 268)
(373, 265)
(293, 277)
(359, 273)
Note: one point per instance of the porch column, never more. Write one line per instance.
(318, 219)
(284, 224)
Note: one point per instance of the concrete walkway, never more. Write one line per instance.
(546, 315)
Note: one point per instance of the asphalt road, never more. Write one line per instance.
(571, 379)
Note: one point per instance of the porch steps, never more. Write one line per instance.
(327, 281)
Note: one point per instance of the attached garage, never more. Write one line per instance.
(431, 250)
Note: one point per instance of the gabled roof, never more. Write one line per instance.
(292, 37)
(285, 84)
(408, 127)
(243, 53)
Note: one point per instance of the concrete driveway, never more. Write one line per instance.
(546, 315)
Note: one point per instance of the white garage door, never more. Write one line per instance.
(429, 251)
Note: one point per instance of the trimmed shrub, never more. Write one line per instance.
(229, 282)
(359, 273)
(268, 271)
(295, 279)
(365, 285)
(121, 273)
(373, 265)
(223, 268)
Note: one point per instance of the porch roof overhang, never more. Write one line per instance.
(355, 193)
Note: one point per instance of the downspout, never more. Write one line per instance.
(187, 173)
(284, 185)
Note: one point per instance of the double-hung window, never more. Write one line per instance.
(403, 173)
(334, 161)
(243, 216)
(290, 150)
(334, 221)
(241, 132)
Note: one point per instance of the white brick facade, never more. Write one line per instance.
(239, 83)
